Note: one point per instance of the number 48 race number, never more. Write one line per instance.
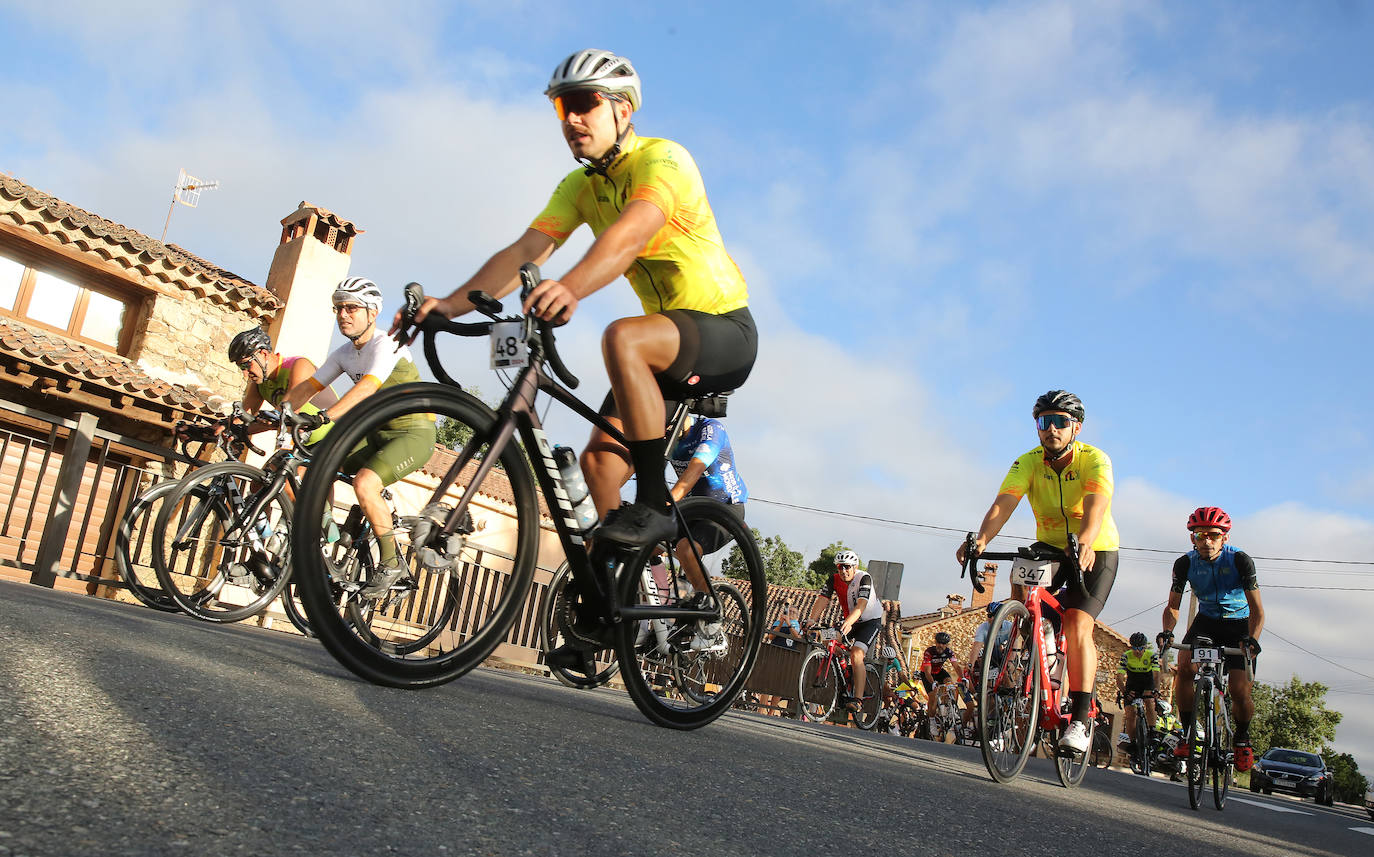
(508, 349)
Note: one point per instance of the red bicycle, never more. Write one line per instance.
(826, 673)
(1020, 698)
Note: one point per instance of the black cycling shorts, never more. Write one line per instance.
(711, 537)
(1222, 632)
(865, 633)
(715, 355)
(941, 677)
(1138, 684)
(1098, 580)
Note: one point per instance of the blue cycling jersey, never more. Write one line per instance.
(708, 441)
(1220, 585)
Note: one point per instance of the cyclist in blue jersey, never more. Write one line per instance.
(705, 465)
(1229, 613)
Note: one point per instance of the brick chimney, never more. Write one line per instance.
(313, 256)
(989, 577)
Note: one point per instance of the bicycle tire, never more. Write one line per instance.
(818, 688)
(199, 573)
(1222, 764)
(740, 620)
(872, 700)
(551, 637)
(1199, 749)
(691, 673)
(1008, 700)
(439, 623)
(1141, 764)
(1072, 769)
(133, 554)
(295, 613)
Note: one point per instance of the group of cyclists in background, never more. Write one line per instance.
(646, 205)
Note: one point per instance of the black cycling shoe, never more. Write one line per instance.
(571, 657)
(637, 524)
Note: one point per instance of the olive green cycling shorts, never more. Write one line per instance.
(392, 453)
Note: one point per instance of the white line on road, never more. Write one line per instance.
(1270, 806)
(1366, 830)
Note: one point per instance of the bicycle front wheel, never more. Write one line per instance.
(214, 562)
(1008, 701)
(1198, 737)
(1072, 769)
(817, 687)
(1222, 764)
(707, 661)
(458, 595)
(134, 548)
(1141, 763)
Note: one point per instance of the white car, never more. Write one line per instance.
(1369, 802)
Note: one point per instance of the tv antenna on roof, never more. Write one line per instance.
(186, 192)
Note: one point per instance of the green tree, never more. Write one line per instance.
(1350, 783)
(452, 434)
(782, 566)
(1293, 715)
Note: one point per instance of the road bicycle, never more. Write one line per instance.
(1143, 749)
(133, 546)
(1210, 737)
(943, 717)
(478, 529)
(1019, 697)
(826, 680)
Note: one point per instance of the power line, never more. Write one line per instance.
(961, 530)
(1317, 656)
(1133, 615)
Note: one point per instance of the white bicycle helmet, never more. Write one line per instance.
(846, 558)
(596, 69)
(1163, 706)
(359, 290)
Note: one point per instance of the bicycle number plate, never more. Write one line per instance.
(1206, 656)
(1027, 572)
(508, 348)
(830, 634)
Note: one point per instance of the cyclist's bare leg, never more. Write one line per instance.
(634, 349)
(606, 467)
(1242, 700)
(695, 575)
(1082, 652)
(1183, 687)
(1150, 713)
(856, 662)
(367, 485)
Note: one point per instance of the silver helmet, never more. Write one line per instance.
(596, 69)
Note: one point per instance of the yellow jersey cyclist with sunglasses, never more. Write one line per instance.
(271, 375)
(1070, 486)
(645, 202)
(372, 362)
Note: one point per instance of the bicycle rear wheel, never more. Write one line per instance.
(1222, 764)
(872, 700)
(295, 613)
(689, 688)
(213, 564)
(1198, 748)
(557, 612)
(818, 689)
(134, 548)
(1141, 761)
(1008, 701)
(459, 595)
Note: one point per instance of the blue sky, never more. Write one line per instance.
(942, 211)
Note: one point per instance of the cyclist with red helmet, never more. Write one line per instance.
(1229, 613)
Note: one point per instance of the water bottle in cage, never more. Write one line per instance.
(657, 627)
(1054, 658)
(584, 510)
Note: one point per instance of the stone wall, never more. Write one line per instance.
(185, 340)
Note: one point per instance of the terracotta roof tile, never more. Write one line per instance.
(119, 374)
(496, 485)
(63, 223)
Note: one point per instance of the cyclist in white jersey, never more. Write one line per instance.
(372, 362)
(863, 614)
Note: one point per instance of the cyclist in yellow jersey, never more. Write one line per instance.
(645, 202)
(1069, 484)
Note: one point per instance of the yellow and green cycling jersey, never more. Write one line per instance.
(1056, 499)
(273, 389)
(684, 265)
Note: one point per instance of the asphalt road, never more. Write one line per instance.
(125, 731)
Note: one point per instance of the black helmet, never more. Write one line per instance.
(1059, 400)
(942, 639)
(1138, 640)
(248, 343)
(993, 607)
